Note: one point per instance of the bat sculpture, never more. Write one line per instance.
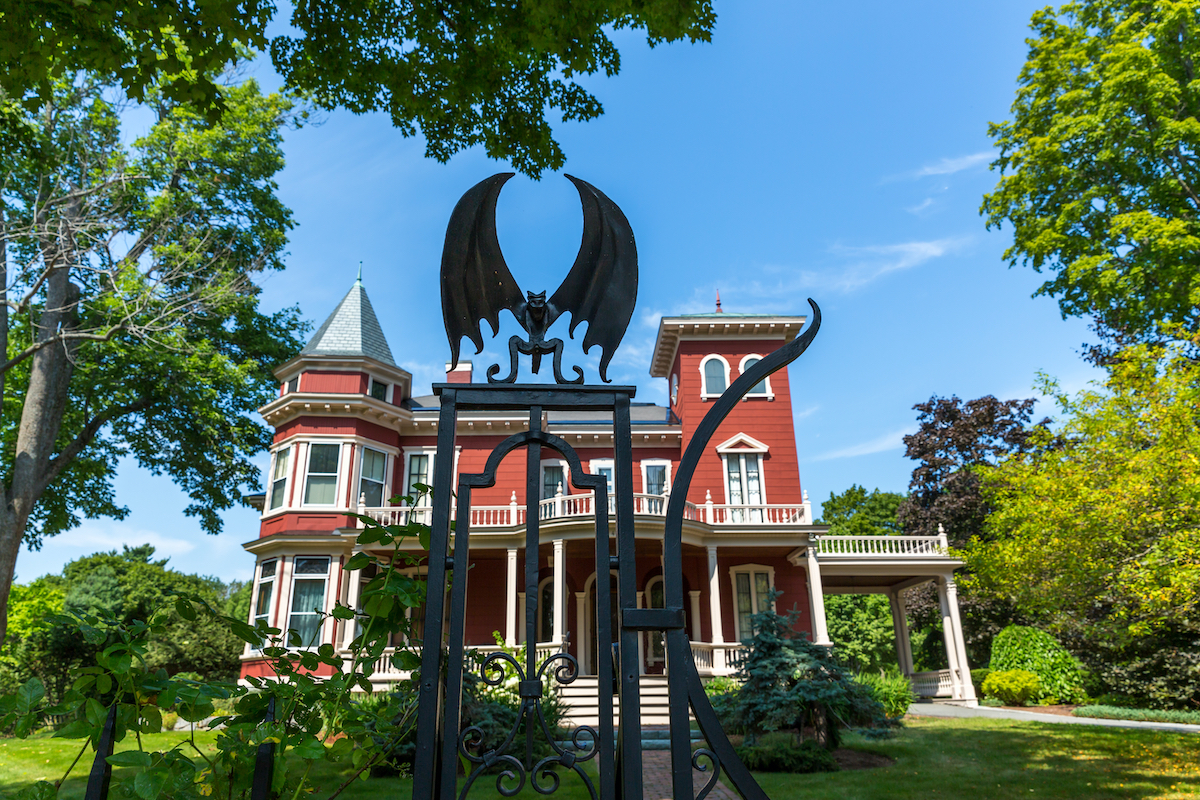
(600, 289)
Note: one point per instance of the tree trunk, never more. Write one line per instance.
(43, 409)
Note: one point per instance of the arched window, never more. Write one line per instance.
(714, 371)
(763, 387)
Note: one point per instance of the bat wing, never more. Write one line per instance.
(476, 282)
(601, 288)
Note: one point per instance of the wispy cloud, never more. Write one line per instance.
(97, 535)
(871, 262)
(888, 441)
(945, 166)
(808, 412)
(919, 207)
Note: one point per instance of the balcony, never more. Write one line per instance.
(571, 506)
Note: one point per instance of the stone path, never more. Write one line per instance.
(656, 778)
(946, 710)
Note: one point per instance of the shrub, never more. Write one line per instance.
(1018, 647)
(891, 689)
(1138, 714)
(978, 676)
(780, 756)
(1013, 687)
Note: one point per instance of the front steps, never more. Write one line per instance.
(581, 700)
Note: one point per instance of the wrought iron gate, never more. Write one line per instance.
(600, 289)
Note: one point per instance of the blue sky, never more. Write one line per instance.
(835, 151)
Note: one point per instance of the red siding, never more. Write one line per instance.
(334, 382)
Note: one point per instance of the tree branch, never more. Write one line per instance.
(68, 454)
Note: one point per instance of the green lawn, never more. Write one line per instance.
(980, 759)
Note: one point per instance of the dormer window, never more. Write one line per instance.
(714, 370)
(293, 385)
(379, 390)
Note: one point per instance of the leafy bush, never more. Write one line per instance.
(781, 756)
(978, 676)
(1138, 714)
(891, 690)
(1014, 687)
(1160, 669)
(1018, 647)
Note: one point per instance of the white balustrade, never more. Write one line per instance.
(932, 684)
(717, 659)
(870, 546)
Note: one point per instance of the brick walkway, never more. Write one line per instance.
(656, 777)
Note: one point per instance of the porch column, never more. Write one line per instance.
(560, 584)
(581, 641)
(510, 600)
(353, 594)
(714, 596)
(903, 640)
(952, 658)
(694, 597)
(816, 597)
(960, 643)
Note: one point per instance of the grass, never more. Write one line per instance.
(1139, 714)
(974, 758)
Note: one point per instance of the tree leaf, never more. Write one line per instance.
(129, 758)
(30, 695)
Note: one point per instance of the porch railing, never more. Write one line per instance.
(567, 506)
(932, 684)
(916, 546)
(717, 659)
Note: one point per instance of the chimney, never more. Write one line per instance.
(459, 374)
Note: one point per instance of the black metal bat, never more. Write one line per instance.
(600, 289)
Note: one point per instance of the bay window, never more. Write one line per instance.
(373, 477)
(309, 577)
(279, 478)
(320, 487)
(266, 589)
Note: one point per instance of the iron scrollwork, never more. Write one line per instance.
(494, 671)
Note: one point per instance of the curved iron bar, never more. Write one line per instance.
(706, 717)
(492, 671)
(716, 768)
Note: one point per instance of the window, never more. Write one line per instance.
(266, 588)
(308, 598)
(293, 384)
(418, 472)
(745, 486)
(279, 478)
(554, 475)
(605, 467)
(374, 470)
(546, 610)
(751, 591)
(656, 476)
(763, 387)
(716, 375)
(321, 487)
(379, 390)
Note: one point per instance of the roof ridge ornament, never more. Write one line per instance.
(600, 288)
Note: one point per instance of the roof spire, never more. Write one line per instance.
(719, 311)
(358, 282)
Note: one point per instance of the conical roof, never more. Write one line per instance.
(351, 330)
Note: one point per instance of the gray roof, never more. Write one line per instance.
(351, 330)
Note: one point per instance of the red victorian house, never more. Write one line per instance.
(349, 435)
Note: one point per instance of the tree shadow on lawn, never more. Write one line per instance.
(988, 758)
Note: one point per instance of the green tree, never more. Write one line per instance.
(1101, 182)
(135, 260)
(860, 625)
(1097, 528)
(461, 74)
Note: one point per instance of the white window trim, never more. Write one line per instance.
(742, 443)
(287, 478)
(293, 577)
(769, 394)
(596, 464)
(387, 395)
(704, 393)
(566, 471)
(762, 480)
(388, 469)
(420, 450)
(255, 611)
(749, 569)
(655, 462)
(339, 479)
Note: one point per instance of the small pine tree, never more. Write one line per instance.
(789, 682)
